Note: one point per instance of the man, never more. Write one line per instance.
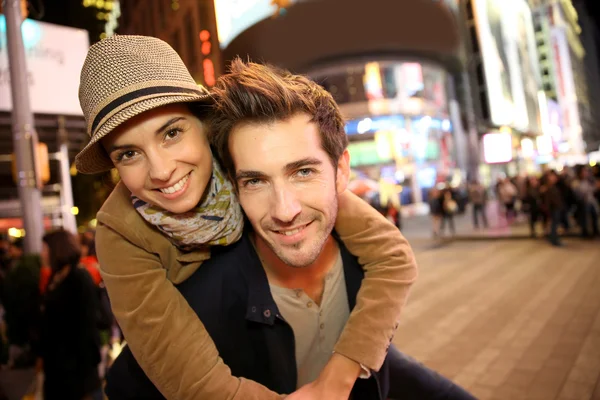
(276, 318)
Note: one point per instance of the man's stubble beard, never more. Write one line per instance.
(318, 246)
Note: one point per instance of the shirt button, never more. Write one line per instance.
(322, 326)
(309, 304)
(298, 293)
(267, 313)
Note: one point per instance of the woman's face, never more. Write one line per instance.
(163, 157)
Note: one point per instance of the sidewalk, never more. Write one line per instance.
(418, 228)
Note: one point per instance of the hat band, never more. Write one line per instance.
(140, 93)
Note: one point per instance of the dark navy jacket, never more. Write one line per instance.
(231, 295)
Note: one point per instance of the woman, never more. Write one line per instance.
(154, 232)
(70, 339)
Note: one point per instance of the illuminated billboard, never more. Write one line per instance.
(53, 68)
(507, 43)
(235, 16)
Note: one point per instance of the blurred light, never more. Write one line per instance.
(74, 210)
(497, 148)
(505, 129)
(14, 232)
(527, 148)
(383, 144)
(372, 81)
(209, 72)
(100, 3)
(103, 35)
(399, 175)
(446, 125)
(108, 5)
(544, 145)
(206, 47)
(204, 35)
(73, 170)
(364, 125)
(592, 163)
(175, 5)
(425, 122)
(100, 15)
(564, 147)
(93, 223)
(560, 167)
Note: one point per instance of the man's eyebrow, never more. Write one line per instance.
(305, 162)
(252, 174)
(246, 174)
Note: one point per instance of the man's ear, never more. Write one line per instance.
(343, 171)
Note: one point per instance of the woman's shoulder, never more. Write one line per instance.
(118, 220)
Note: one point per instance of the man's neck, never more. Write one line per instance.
(309, 278)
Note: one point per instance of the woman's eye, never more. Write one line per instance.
(172, 133)
(126, 155)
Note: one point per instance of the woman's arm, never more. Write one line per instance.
(168, 340)
(390, 270)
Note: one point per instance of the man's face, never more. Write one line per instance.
(288, 186)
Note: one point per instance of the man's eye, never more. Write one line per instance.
(252, 182)
(305, 172)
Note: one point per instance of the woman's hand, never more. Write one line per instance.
(335, 381)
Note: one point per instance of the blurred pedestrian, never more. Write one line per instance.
(507, 193)
(554, 204)
(88, 257)
(21, 301)
(533, 203)
(449, 209)
(478, 198)
(70, 340)
(584, 188)
(435, 210)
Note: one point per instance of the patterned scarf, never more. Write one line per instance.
(218, 220)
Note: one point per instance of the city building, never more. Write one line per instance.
(189, 26)
(565, 80)
(590, 37)
(506, 86)
(390, 67)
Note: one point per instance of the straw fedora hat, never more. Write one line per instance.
(123, 76)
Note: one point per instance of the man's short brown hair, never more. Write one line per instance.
(255, 93)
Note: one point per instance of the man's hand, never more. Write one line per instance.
(335, 381)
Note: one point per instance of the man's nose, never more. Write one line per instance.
(286, 204)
